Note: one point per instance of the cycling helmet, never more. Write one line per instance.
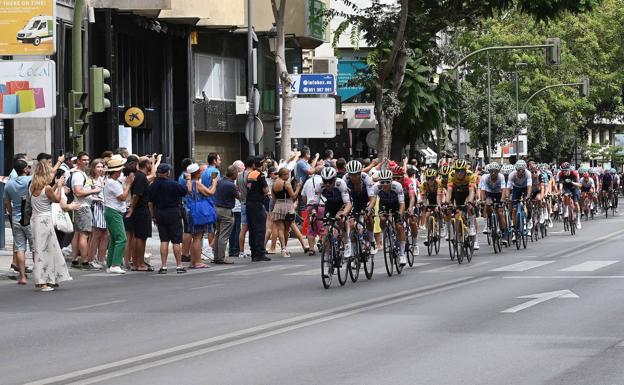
(495, 166)
(460, 164)
(521, 165)
(565, 166)
(586, 175)
(431, 173)
(328, 173)
(507, 168)
(385, 174)
(354, 167)
(592, 171)
(445, 170)
(543, 167)
(613, 171)
(398, 171)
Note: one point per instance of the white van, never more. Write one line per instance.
(37, 29)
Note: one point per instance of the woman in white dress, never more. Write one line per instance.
(50, 267)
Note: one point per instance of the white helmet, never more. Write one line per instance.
(521, 165)
(328, 173)
(385, 174)
(494, 166)
(354, 167)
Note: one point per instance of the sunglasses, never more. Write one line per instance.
(431, 178)
(385, 182)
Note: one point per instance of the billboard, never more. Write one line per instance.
(27, 89)
(27, 27)
(313, 118)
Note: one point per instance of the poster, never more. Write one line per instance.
(27, 27)
(27, 89)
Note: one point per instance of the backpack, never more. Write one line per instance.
(26, 209)
(70, 195)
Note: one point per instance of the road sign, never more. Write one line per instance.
(28, 27)
(539, 298)
(314, 118)
(313, 84)
(259, 132)
(27, 89)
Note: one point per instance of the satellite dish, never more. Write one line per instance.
(372, 139)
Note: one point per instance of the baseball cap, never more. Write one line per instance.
(163, 168)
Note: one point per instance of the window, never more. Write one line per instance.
(218, 77)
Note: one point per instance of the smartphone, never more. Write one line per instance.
(61, 152)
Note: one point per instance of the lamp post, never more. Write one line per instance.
(516, 65)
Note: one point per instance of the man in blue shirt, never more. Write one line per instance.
(16, 190)
(304, 167)
(214, 162)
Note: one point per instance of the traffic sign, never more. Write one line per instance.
(313, 84)
(259, 130)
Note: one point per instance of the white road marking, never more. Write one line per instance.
(589, 266)
(419, 264)
(96, 305)
(103, 275)
(539, 298)
(261, 270)
(207, 286)
(263, 331)
(523, 266)
(456, 267)
(566, 277)
(309, 273)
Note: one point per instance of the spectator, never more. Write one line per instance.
(106, 155)
(67, 166)
(17, 157)
(83, 217)
(16, 189)
(98, 241)
(271, 225)
(341, 167)
(328, 161)
(197, 190)
(257, 190)
(225, 200)
(165, 202)
(139, 215)
(283, 210)
(233, 244)
(214, 162)
(50, 268)
(123, 152)
(130, 168)
(115, 195)
(241, 183)
(186, 237)
(305, 167)
(44, 157)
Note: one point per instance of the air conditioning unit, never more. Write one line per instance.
(325, 65)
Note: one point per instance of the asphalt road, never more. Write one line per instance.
(273, 323)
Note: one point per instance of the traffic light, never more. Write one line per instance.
(553, 52)
(78, 111)
(98, 89)
(584, 89)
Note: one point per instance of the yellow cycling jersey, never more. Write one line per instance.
(465, 184)
(433, 188)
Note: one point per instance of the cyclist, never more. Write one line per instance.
(551, 188)
(520, 184)
(461, 192)
(606, 185)
(538, 190)
(588, 188)
(333, 194)
(360, 186)
(594, 176)
(616, 187)
(392, 202)
(569, 183)
(430, 195)
(409, 191)
(492, 189)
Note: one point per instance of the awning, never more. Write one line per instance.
(430, 155)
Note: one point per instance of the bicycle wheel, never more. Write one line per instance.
(459, 243)
(495, 235)
(397, 265)
(369, 263)
(488, 234)
(354, 261)
(327, 266)
(410, 243)
(469, 246)
(342, 263)
(388, 249)
(438, 236)
(450, 236)
(430, 236)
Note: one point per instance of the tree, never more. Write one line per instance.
(398, 31)
(279, 13)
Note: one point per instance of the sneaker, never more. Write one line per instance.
(578, 225)
(402, 260)
(207, 254)
(67, 251)
(162, 270)
(285, 253)
(116, 270)
(550, 224)
(513, 237)
(530, 224)
(476, 245)
(242, 255)
(504, 242)
(374, 250)
(347, 250)
(311, 252)
(97, 265)
(75, 264)
(486, 231)
(473, 231)
(88, 266)
(186, 258)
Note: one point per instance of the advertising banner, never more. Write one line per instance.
(27, 27)
(27, 89)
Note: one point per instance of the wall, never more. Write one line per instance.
(225, 13)
(32, 136)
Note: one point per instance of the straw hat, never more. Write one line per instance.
(115, 163)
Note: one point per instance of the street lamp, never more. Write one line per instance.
(516, 65)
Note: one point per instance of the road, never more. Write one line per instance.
(549, 314)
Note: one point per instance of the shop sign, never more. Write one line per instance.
(27, 89)
(27, 27)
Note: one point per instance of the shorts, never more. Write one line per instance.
(495, 197)
(21, 236)
(317, 228)
(534, 193)
(459, 197)
(142, 224)
(243, 214)
(574, 193)
(83, 219)
(169, 225)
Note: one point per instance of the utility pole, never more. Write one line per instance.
(488, 154)
(251, 121)
(77, 99)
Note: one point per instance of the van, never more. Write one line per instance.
(37, 29)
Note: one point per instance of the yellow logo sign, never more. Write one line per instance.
(27, 27)
(134, 117)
